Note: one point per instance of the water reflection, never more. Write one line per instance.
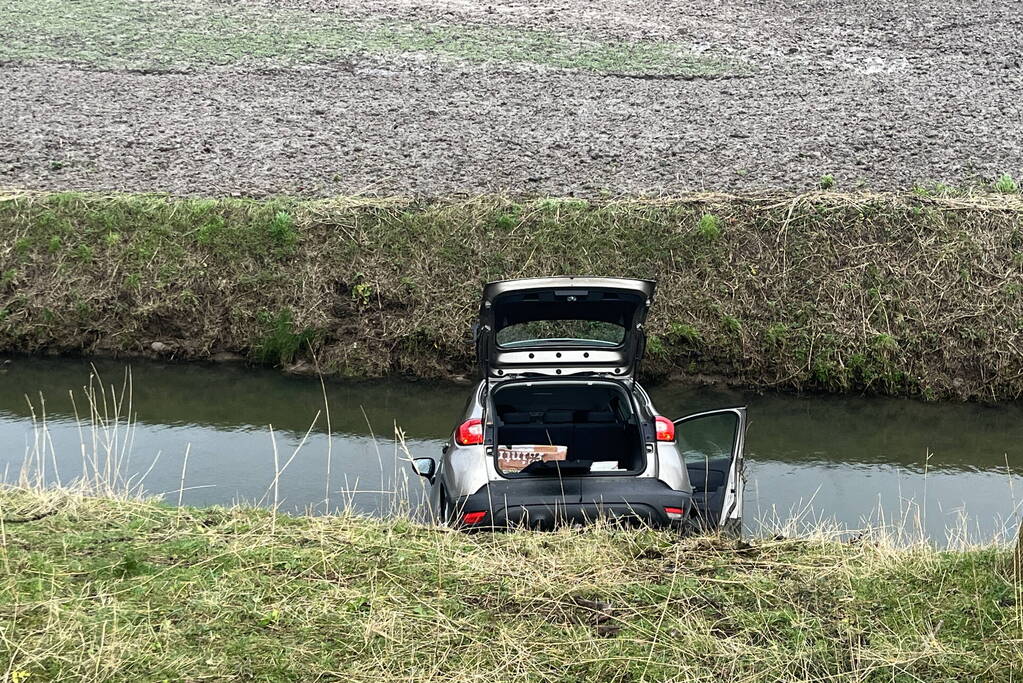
(852, 459)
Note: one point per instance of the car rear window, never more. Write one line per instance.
(585, 332)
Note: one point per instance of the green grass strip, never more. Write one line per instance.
(173, 35)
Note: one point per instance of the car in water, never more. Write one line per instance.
(559, 430)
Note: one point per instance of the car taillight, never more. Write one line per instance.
(474, 517)
(674, 513)
(470, 432)
(665, 428)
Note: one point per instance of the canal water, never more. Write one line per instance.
(208, 435)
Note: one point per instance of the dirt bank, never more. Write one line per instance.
(325, 98)
(896, 294)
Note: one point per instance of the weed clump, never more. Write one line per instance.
(777, 334)
(208, 232)
(505, 221)
(655, 346)
(709, 227)
(281, 230)
(681, 333)
(282, 342)
(1006, 184)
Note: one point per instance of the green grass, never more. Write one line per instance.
(173, 35)
(282, 342)
(121, 590)
(709, 227)
(894, 294)
(1006, 184)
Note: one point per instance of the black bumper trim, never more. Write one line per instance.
(533, 504)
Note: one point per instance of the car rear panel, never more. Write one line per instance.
(550, 502)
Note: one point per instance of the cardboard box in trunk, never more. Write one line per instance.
(517, 458)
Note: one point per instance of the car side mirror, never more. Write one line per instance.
(425, 467)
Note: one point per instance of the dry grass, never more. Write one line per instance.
(886, 293)
(127, 590)
(97, 583)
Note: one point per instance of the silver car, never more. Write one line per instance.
(560, 431)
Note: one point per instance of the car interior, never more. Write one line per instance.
(596, 422)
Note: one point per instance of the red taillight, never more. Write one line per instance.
(665, 428)
(474, 517)
(674, 513)
(470, 432)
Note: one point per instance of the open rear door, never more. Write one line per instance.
(563, 326)
(711, 444)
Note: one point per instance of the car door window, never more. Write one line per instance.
(710, 445)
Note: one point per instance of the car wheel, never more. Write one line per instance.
(444, 513)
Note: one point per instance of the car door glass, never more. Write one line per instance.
(563, 331)
(706, 444)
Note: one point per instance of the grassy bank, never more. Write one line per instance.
(101, 589)
(916, 294)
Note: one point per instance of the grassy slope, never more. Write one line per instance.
(884, 293)
(130, 591)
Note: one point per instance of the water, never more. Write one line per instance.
(854, 461)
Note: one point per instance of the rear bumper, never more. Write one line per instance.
(533, 504)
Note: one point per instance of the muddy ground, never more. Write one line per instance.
(879, 95)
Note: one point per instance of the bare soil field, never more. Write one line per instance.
(327, 97)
